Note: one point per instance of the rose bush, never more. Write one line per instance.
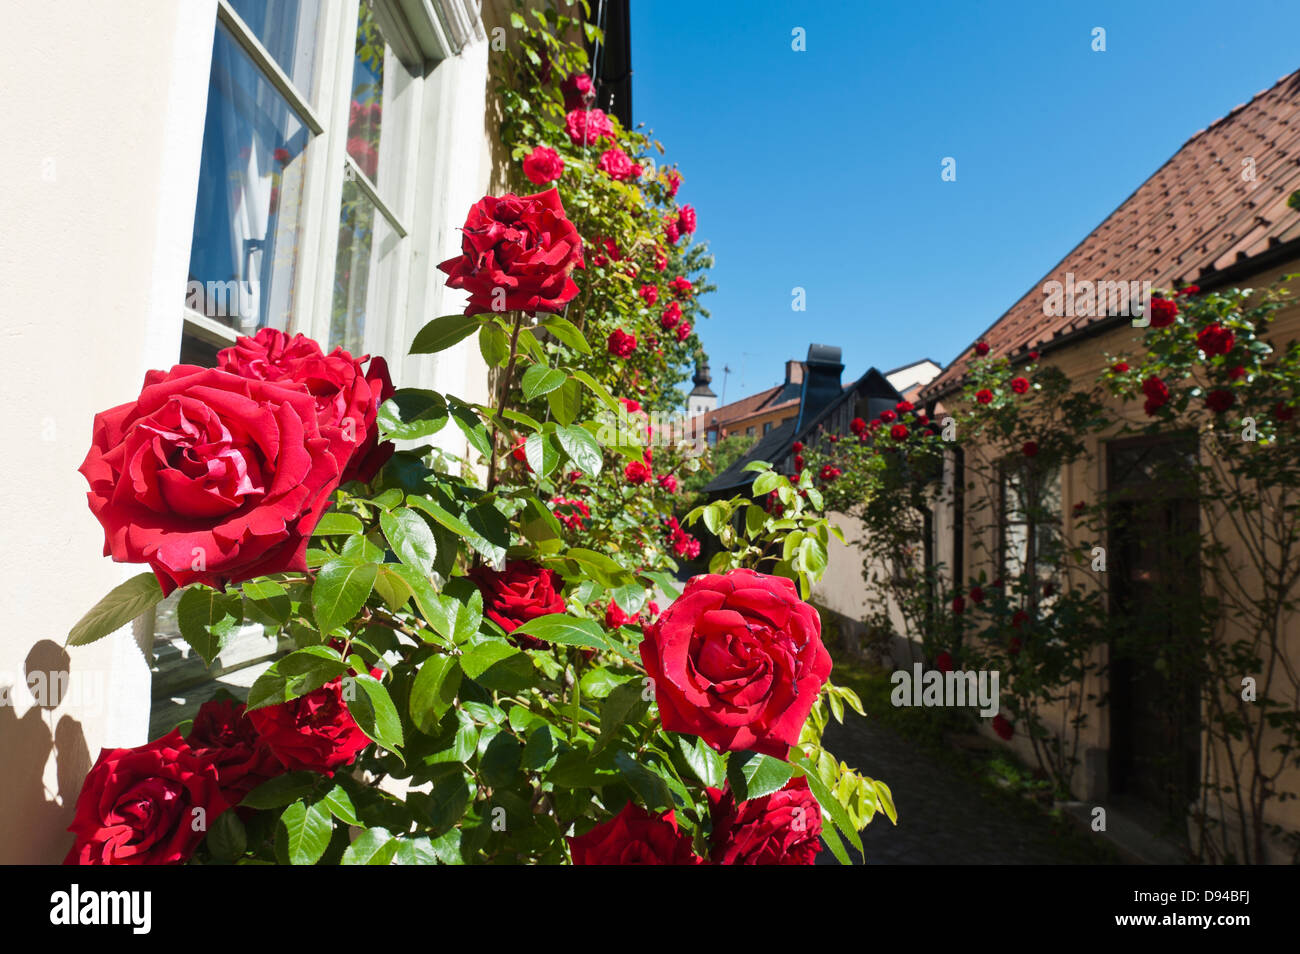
(467, 682)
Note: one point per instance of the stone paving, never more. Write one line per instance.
(943, 818)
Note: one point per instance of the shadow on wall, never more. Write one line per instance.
(34, 818)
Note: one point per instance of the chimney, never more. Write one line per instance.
(821, 383)
(794, 372)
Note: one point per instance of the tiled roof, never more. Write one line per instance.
(1194, 218)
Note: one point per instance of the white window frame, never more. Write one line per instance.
(324, 111)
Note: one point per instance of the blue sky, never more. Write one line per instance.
(821, 169)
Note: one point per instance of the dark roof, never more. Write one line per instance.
(1193, 221)
(775, 446)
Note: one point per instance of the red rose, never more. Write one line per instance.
(1282, 412)
(686, 220)
(212, 478)
(674, 181)
(1235, 373)
(1189, 290)
(588, 126)
(898, 432)
(225, 736)
(858, 426)
(522, 245)
(977, 595)
(151, 805)
(313, 733)
(1163, 312)
(738, 660)
(943, 661)
(1219, 400)
(781, 828)
(671, 315)
(1119, 367)
(668, 482)
(981, 348)
(635, 837)
(621, 344)
(681, 287)
(347, 397)
(1215, 339)
(958, 604)
(1157, 393)
(902, 407)
(1030, 449)
(984, 396)
(364, 154)
(684, 545)
(797, 447)
(672, 232)
(830, 474)
(578, 91)
(631, 406)
(661, 261)
(683, 331)
(888, 416)
(281, 155)
(649, 294)
(798, 462)
(521, 592)
(615, 164)
(1003, 728)
(615, 617)
(637, 472)
(1033, 356)
(1020, 385)
(543, 165)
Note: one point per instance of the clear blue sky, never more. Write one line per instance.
(821, 169)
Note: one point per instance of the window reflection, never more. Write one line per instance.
(246, 223)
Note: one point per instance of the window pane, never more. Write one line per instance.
(367, 94)
(287, 28)
(246, 224)
(365, 240)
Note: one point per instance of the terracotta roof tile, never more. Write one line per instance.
(1195, 217)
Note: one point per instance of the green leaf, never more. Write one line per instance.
(500, 763)
(620, 707)
(340, 590)
(280, 790)
(709, 766)
(375, 713)
(604, 570)
(411, 414)
(596, 388)
(410, 538)
(650, 786)
(565, 401)
(297, 674)
(494, 345)
(565, 630)
(766, 482)
(470, 425)
(433, 692)
(374, 846)
(753, 775)
(438, 611)
(227, 839)
(541, 453)
(335, 524)
(122, 604)
(496, 664)
(339, 804)
(582, 449)
(207, 618)
(886, 799)
(566, 331)
(827, 800)
(306, 830)
(539, 380)
(266, 602)
(442, 333)
(447, 519)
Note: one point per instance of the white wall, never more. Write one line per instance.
(105, 104)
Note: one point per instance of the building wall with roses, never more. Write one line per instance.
(95, 256)
(1083, 363)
